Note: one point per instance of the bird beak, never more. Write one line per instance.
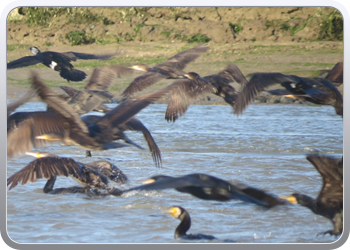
(148, 181)
(34, 154)
(290, 198)
(171, 210)
(291, 96)
(42, 137)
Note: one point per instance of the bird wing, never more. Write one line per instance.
(26, 126)
(336, 74)
(259, 82)
(69, 90)
(109, 170)
(86, 100)
(102, 77)
(181, 59)
(45, 168)
(73, 56)
(331, 170)
(184, 94)
(128, 108)
(143, 81)
(22, 62)
(20, 101)
(58, 105)
(136, 125)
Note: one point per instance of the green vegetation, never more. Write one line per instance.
(43, 16)
(198, 38)
(12, 47)
(76, 37)
(332, 27)
(235, 28)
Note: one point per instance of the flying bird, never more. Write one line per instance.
(170, 69)
(57, 61)
(208, 187)
(329, 202)
(315, 90)
(186, 91)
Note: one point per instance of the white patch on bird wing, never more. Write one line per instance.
(53, 65)
(293, 85)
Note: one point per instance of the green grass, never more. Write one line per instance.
(12, 47)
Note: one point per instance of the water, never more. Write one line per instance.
(263, 148)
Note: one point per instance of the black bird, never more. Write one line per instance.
(49, 166)
(58, 61)
(329, 202)
(186, 91)
(170, 69)
(335, 75)
(133, 124)
(185, 224)
(96, 136)
(208, 187)
(316, 90)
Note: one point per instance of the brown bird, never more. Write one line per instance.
(96, 136)
(170, 69)
(316, 90)
(49, 166)
(186, 91)
(329, 202)
(96, 91)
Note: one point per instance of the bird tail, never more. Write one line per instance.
(73, 75)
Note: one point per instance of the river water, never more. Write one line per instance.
(263, 148)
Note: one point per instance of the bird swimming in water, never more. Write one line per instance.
(329, 202)
(49, 166)
(208, 187)
(170, 69)
(185, 224)
(316, 90)
(58, 61)
(186, 91)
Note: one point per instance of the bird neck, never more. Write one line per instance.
(308, 202)
(49, 184)
(184, 225)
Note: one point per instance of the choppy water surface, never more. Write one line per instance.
(264, 148)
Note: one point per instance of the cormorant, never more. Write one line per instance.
(316, 90)
(96, 91)
(58, 62)
(49, 166)
(170, 69)
(329, 202)
(185, 224)
(186, 91)
(96, 136)
(208, 187)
